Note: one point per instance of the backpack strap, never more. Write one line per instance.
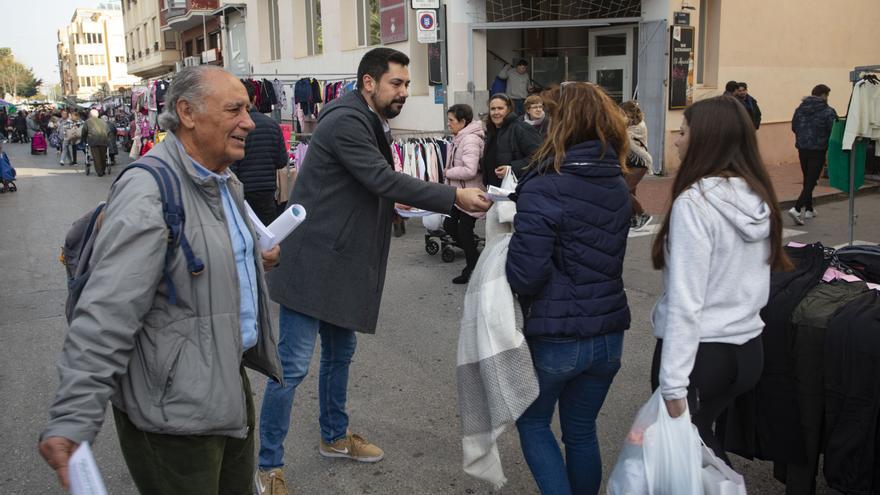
(173, 214)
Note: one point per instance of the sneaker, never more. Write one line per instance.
(810, 214)
(795, 215)
(270, 482)
(633, 221)
(642, 221)
(352, 446)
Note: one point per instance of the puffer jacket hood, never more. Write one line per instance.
(739, 205)
(812, 122)
(475, 128)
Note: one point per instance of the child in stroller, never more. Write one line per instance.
(7, 173)
(438, 240)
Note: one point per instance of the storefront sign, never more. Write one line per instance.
(425, 4)
(393, 20)
(427, 32)
(681, 67)
(682, 18)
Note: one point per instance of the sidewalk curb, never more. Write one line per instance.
(830, 198)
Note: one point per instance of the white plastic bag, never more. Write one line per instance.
(718, 477)
(660, 456)
(507, 209)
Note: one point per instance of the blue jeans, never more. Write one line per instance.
(295, 348)
(577, 373)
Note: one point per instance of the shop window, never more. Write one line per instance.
(100, 38)
(368, 22)
(170, 40)
(274, 31)
(314, 31)
(707, 42)
(200, 45)
(188, 48)
(609, 45)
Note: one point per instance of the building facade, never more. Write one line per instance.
(150, 50)
(91, 52)
(664, 53)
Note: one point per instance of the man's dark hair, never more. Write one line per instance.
(252, 93)
(522, 61)
(742, 85)
(821, 90)
(731, 86)
(375, 63)
(462, 112)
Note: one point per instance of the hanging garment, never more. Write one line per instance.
(302, 96)
(838, 159)
(280, 94)
(852, 398)
(863, 116)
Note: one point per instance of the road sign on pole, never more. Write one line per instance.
(427, 32)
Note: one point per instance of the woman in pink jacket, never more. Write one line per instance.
(463, 171)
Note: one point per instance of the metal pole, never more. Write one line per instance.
(444, 77)
(852, 192)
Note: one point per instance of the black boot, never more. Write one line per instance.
(464, 277)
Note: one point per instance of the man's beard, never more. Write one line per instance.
(388, 111)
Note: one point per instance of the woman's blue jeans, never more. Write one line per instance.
(576, 373)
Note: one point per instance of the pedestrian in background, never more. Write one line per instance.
(463, 171)
(518, 84)
(510, 142)
(96, 135)
(535, 114)
(173, 371)
(638, 160)
(811, 124)
(751, 104)
(264, 155)
(718, 243)
(71, 128)
(565, 262)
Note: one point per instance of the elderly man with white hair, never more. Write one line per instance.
(96, 134)
(172, 362)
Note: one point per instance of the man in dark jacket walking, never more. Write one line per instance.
(264, 154)
(330, 280)
(811, 124)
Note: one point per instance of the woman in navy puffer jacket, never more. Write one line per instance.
(565, 262)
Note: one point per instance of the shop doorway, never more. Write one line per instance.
(611, 61)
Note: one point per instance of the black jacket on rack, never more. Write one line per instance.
(852, 397)
(264, 153)
(763, 423)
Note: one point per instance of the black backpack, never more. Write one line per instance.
(80, 240)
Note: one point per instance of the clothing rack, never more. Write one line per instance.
(416, 134)
(855, 76)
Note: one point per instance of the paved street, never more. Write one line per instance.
(402, 388)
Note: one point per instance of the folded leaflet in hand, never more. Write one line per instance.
(497, 194)
(277, 231)
(85, 479)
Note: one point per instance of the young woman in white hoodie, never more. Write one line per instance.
(717, 246)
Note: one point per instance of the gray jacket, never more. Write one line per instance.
(333, 265)
(517, 84)
(174, 369)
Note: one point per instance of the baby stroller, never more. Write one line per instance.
(38, 143)
(87, 162)
(437, 240)
(7, 174)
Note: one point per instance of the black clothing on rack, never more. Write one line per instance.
(852, 397)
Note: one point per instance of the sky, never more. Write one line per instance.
(30, 28)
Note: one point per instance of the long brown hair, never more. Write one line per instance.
(582, 111)
(722, 143)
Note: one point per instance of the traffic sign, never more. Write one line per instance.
(427, 32)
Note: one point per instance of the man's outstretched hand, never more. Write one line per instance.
(472, 199)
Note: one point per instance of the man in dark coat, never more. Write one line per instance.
(811, 124)
(751, 104)
(331, 277)
(264, 154)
